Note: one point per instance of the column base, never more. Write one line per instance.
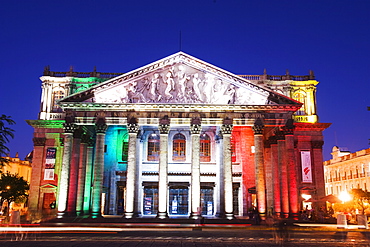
(129, 215)
(195, 216)
(95, 215)
(162, 215)
(229, 216)
(61, 215)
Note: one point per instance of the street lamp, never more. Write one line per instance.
(344, 196)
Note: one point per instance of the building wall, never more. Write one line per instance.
(346, 171)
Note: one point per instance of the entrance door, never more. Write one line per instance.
(49, 199)
(150, 206)
(178, 200)
(206, 203)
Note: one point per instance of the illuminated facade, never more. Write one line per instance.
(347, 171)
(177, 137)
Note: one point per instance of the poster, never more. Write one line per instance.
(306, 167)
(50, 163)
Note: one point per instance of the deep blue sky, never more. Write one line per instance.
(330, 37)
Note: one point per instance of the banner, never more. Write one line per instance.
(306, 167)
(50, 164)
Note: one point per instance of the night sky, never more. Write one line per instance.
(330, 37)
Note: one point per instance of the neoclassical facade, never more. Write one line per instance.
(347, 171)
(176, 138)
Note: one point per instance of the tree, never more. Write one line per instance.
(5, 134)
(360, 199)
(13, 188)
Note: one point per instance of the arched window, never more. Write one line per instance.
(125, 148)
(205, 148)
(300, 96)
(153, 147)
(57, 95)
(179, 147)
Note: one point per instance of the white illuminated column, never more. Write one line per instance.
(81, 174)
(164, 128)
(260, 170)
(64, 173)
(226, 130)
(195, 129)
(100, 128)
(131, 170)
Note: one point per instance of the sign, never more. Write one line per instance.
(50, 163)
(306, 167)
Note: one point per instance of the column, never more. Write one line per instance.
(260, 169)
(164, 128)
(81, 173)
(89, 175)
(36, 174)
(195, 129)
(283, 175)
(100, 128)
(219, 192)
(318, 172)
(292, 169)
(226, 130)
(275, 175)
(64, 173)
(73, 173)
(133, 129)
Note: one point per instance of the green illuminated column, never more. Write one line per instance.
(133, 129)
(100, 128)
(260, 170)
(89, 176)
(195, 129)
(226, 130)
(164, 128)
(64, 173)
(81, 173)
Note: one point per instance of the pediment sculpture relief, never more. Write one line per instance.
(179, 83)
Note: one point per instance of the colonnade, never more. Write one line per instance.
(76, 169)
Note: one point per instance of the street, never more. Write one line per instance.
(181, 236)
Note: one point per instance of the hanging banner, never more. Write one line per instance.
(306, 167)
(50, 164)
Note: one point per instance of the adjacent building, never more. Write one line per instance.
(347, 171)
(177, 137)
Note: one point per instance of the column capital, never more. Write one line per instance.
(100, 126)
(164, 125)
(39, 141)
(258, 127)
(317, 144)
(69, 127)
(288, 128)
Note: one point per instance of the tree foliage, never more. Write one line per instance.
(6, 133)
(13, 188)
(360, 199)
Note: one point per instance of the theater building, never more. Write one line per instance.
(178, 137)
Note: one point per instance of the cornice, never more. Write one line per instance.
(46, 123)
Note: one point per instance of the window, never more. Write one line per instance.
(150, 200)
(300, 96)
(179, 147)
(57, 95)
(178, 200)
(206, 197)
(205, 148)
(153, 147)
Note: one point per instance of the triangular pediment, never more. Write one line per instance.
(179, 79)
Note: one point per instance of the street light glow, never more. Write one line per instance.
(344, 196)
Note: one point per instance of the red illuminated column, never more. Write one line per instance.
(275, 174)
(164, 128)
(133, 129)
(292, 169)
(100, 128)
(195, 129)
(226, 130)
(318, 171)
(269, 178)
(260, 169)
(283, 175)
(73, 173)
(64, 173)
